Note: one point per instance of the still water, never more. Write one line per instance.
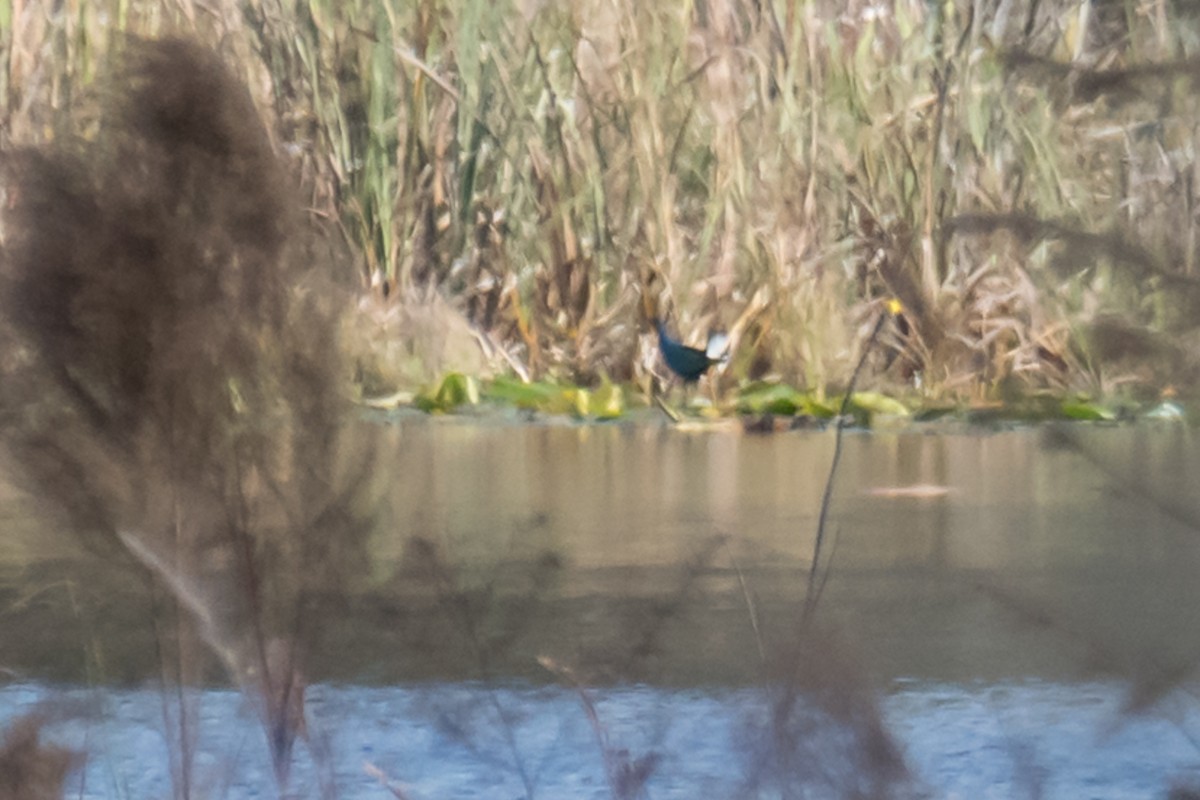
(1017, 614)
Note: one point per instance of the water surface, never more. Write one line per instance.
(1003, 598)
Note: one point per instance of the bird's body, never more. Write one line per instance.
(688, 363)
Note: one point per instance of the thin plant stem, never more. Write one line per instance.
(813, 592)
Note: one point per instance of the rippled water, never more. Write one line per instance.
(1007, 740)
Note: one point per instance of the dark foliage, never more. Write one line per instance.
(29, 768)
(172, 375)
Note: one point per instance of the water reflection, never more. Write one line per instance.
(625, 506)
(640, 494)
(1099, 536)
(1022, 588)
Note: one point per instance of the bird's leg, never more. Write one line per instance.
(660, 399)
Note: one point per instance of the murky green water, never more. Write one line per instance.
(944, 583)
(962, 565)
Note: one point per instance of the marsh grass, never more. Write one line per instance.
(1010, 171)
(173, 370)
(176, 397)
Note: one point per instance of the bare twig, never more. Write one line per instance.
(813, 591)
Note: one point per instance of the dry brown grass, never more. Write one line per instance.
(173, 374)
(785, 169)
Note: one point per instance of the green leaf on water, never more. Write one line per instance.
(1086, 410)
(573, 400)
(867, 406)
(547, 398)
(608, 401)
(820, 409)
(534, 395)
(771, 398)
(782, 400)
(454, 390)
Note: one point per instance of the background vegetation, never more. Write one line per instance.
(518, 188)
(526, 182)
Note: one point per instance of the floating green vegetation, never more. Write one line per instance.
(456, 391)
(1087, 411)
(758, 402)
(542, 396)
(781, 399)
(452, 391)
(866, 408)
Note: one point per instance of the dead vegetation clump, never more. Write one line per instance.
(31, 769)
(174, 390)
(1010, 171)
(822, 732)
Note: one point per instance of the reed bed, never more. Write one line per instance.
(542, 178)
(520, 187)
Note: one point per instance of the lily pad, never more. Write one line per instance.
(541, 396)
(608, 401)
(779, 399)
(1086, 411)
(454, 390)
(867, 406)
(771, 398)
